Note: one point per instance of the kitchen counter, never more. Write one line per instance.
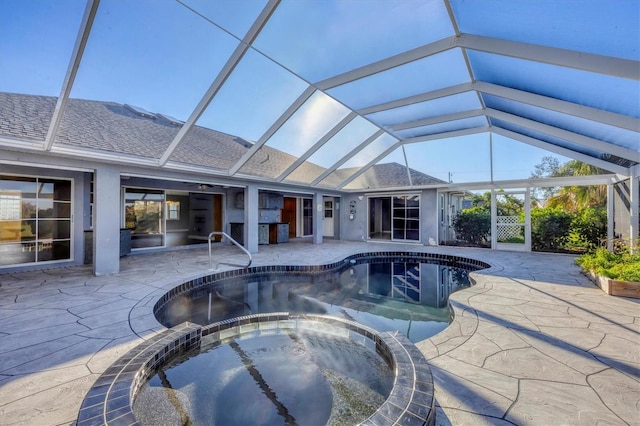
(268, 233)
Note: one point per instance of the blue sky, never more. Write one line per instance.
(140, 53)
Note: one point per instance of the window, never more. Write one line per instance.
(9, 206)
(307, 216)
(328, 209)
(173, 210)
(144, 215)
(35, 220)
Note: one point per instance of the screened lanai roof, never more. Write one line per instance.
(316, 93)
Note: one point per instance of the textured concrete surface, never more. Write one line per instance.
(534, 342)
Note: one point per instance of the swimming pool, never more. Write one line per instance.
(411, 289)
(408, 293)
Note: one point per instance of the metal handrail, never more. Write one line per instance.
(224, 234)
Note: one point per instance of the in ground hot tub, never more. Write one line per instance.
(392, 382)
(294, 370)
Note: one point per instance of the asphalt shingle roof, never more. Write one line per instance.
(115, 128)
(25, 117)
(388, 175)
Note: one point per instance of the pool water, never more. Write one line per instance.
(405, 294)
(299, 377)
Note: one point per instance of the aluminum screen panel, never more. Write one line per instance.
(446, 105)
(581, 87)
(122, 63)
(318, 39)
(613, 27)
(27, 67)
(448, 126)
(246, 106)
(603, 132)
(445, 159)
(416, 77)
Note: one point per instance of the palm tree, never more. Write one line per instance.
(574, 198)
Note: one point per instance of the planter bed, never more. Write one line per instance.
(615, 287)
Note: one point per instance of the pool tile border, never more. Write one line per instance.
(109, 401)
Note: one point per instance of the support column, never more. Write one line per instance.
(107, 210)
(251, 217)
(318, 209)
(527, 219)
(634, 214)
(494, 221)
(610, 217)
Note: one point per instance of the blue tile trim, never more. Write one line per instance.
(109, 401)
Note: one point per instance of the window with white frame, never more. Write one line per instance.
(9, 206)
(173, 210)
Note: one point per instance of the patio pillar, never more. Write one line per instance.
(318, 209)
(106, 220)
(251, 217)
(527, 219)
(494, 221)
(634, 225)
(610, 216)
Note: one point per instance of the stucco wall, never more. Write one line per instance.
(429, 217)
(353, 229)
(356, 229)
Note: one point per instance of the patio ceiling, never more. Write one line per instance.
(319, 92)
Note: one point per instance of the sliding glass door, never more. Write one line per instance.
(406, 217)
(35, 220)
(394, 218)
(144, 216)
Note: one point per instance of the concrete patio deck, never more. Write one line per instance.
(534, 342)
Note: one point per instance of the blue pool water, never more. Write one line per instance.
(386, 294)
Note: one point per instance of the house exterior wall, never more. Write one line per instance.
(353, 229)
(356, 229)
(429, 217)
(83, 173)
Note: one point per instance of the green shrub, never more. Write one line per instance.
(473, 225)
(617, 266)
(550, 228)
(589, 227)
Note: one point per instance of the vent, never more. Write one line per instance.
(140, 111)
(243, 142)
(169, 119)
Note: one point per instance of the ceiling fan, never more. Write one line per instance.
(200, 186)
